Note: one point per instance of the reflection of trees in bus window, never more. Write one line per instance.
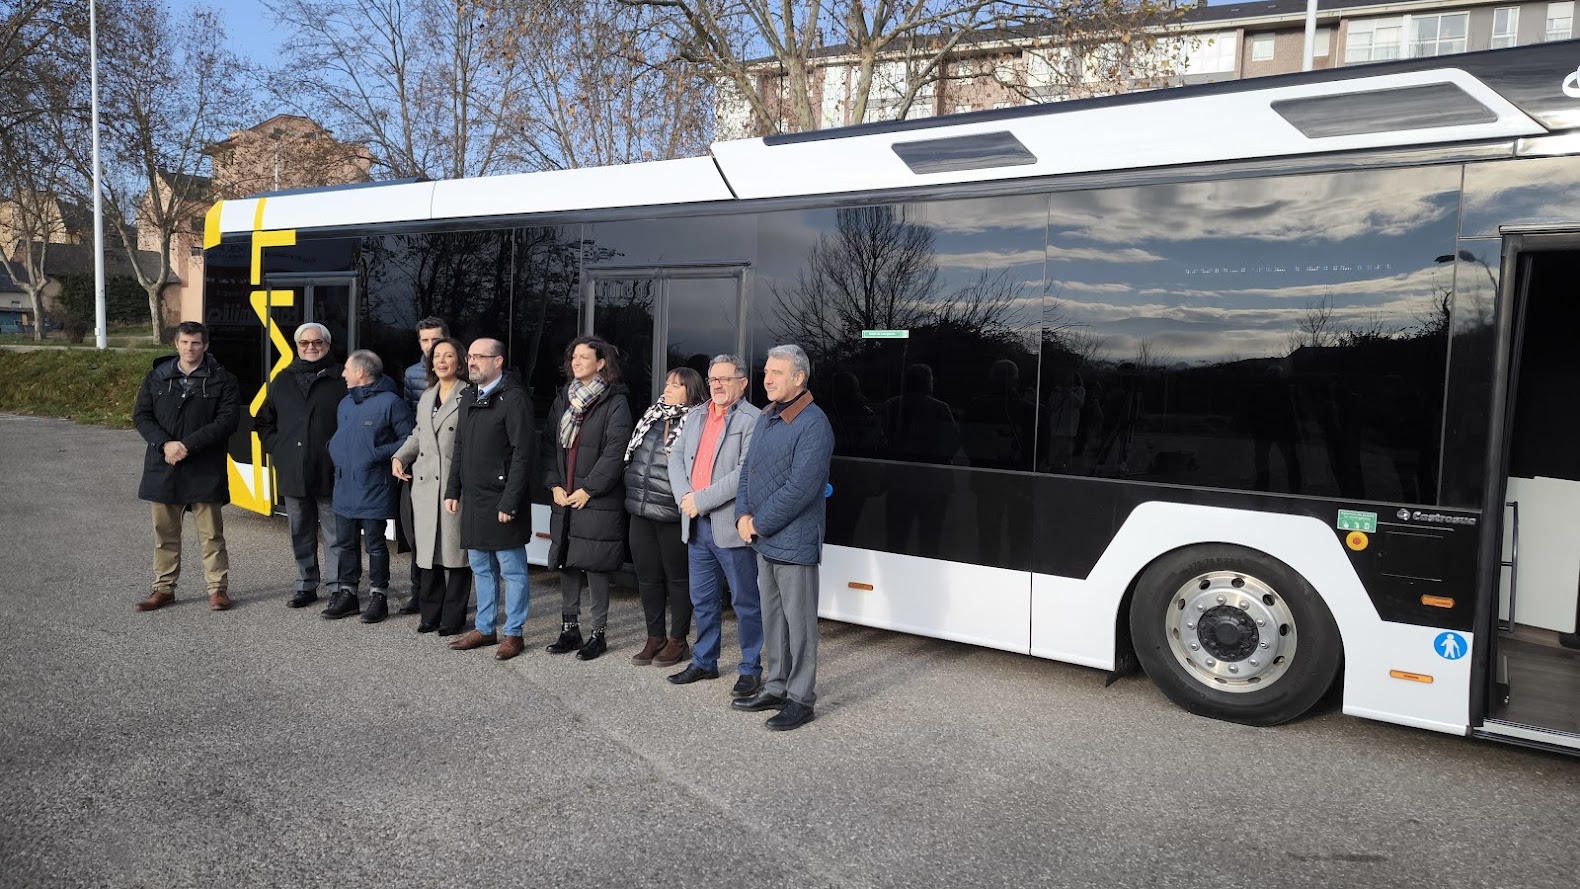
(1282, 334)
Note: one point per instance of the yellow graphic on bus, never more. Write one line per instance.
(257, 492)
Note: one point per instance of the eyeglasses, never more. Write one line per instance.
(480, 357)
(311, 344)
(712, 380)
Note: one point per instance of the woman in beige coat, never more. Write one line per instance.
(446, 578)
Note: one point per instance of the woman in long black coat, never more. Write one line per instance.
(587, 430)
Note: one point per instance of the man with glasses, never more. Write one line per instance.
(704, 469)
(489, 474)
(430, 330)
(295, 424)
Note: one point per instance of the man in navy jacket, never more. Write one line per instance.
(780, 510)
(372, 423)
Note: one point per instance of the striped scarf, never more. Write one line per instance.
(581, 397)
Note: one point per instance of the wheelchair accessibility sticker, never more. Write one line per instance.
(1450, 646)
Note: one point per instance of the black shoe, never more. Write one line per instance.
(378, 609)
(410, 606)
(793, 715)
(427, 627)
(1569, 640)
(342, 604)
(746, 686)
(760, 701)
(451, 631)
(570, 639)
(302, 599)
(691, 674)
(594, 647)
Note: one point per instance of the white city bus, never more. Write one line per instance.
(1231, 381)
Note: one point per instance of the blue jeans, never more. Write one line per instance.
(488, 567)
(348, 553)
(738, 565)
(309, 516)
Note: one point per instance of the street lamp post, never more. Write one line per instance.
(101, 332)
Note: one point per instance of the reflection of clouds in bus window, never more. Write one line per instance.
(1298, 208)
(1057, 253)
(1515, 192)
(990, 259)
(1007, 214)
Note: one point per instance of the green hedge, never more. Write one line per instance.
(86, 385)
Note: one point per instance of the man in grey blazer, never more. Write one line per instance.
(704, 471)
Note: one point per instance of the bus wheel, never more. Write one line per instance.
(1234, 634)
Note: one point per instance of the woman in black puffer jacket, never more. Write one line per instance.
(589, 425)
(656, 548)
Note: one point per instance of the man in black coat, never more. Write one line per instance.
(488, 487)
(295, 425)
(186, 410)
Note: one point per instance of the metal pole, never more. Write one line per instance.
(101, 332)
(1311, 35)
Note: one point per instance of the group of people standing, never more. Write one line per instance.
(704, 490)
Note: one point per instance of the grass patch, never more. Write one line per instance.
(89, 386)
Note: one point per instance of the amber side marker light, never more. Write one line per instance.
(541, 536)
(1437, 601)
(866, 587)
(1412, 677)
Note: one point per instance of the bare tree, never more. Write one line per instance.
(429, 85)
(594, 93)
(1316, 327)
(39, 99)
(169, 89)
(771, 54)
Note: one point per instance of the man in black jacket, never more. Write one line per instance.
(488, 487)
(295, 425)
(186, 410)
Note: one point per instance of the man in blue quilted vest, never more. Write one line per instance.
(779, 508)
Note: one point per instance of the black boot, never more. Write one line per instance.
(570, 637)
(594, 647)
(343, 604)
(378, 609)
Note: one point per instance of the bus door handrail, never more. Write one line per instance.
(1512, 563)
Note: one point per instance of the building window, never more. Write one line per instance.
(1262, 48)
(1211, 53)
(1323, 43)
(1505, 27)
(1560, 20)
(1438, 35)
(1375, 40)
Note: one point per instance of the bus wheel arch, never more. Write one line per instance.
(1233, 633)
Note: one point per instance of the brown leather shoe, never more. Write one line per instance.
(675, 651)
(654, 645)
(218, 601)
(156, 599)
(509, 648)
(473, 639)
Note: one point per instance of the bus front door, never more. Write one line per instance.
(1534, 690)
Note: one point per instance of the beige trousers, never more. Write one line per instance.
(167, 545)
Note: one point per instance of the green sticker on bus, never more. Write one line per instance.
(885, 334)
(1354, 520)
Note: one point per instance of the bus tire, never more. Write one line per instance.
(1234, 634)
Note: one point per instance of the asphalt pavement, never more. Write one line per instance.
(269, 747)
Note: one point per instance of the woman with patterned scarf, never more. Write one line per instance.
(656, 548)
(589, 425)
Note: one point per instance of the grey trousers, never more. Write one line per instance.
(571, 595)
(789, 597)
(309, 516)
